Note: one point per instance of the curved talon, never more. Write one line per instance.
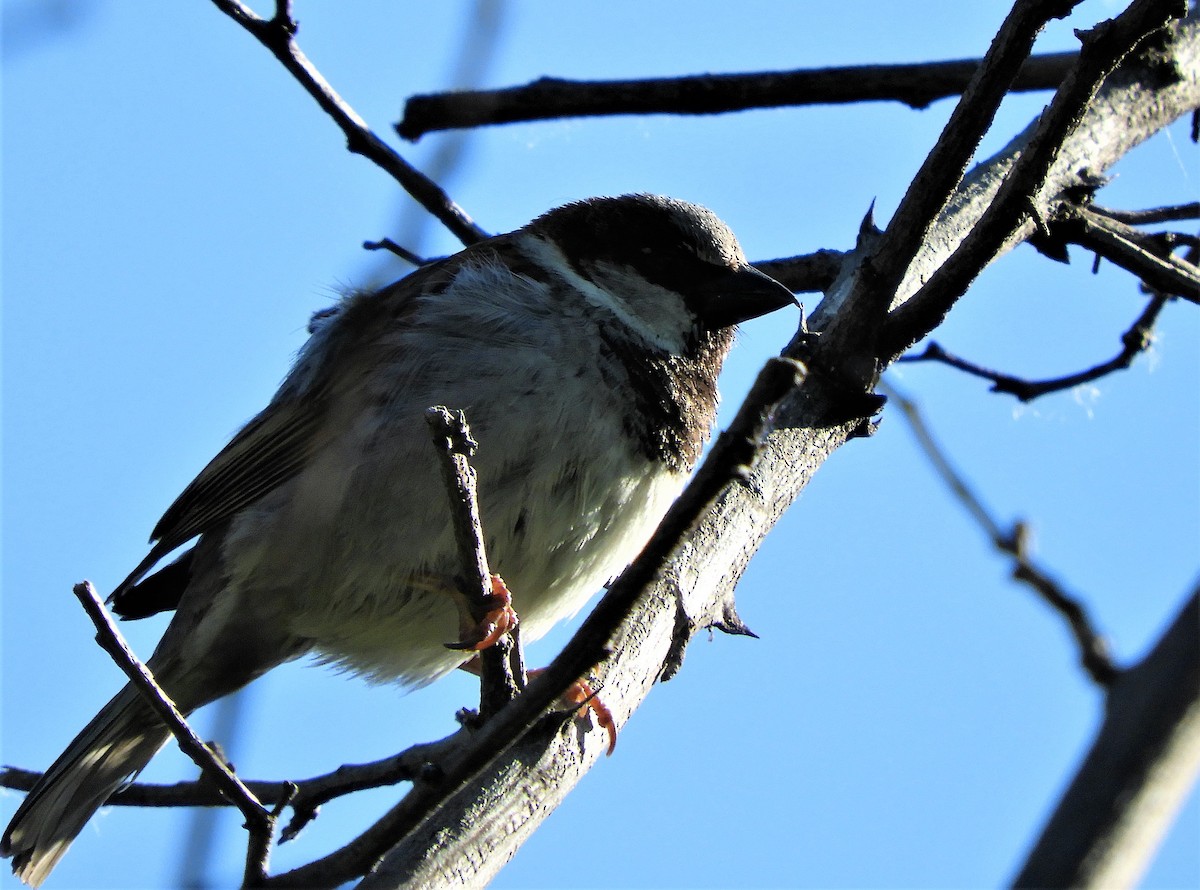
(496, 622)
(581, 693)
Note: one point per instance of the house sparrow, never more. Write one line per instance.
(584, 349)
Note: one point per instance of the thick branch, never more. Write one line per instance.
(1051, 158)
(519, 784)
(915, 85)
(1136, 775)
(304, 796)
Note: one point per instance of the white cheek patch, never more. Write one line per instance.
(664, 321)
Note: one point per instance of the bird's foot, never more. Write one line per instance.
(483, 622)
(581, 693)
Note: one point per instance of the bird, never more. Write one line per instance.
(584, 349)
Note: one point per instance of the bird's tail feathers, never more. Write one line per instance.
(110, 750)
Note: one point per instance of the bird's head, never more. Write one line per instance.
(670, 270)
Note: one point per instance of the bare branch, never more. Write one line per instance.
(277, 34)
(393, 248)
(260, 823)
(548, 98)
(1016, 197)
(810, 273)
(1174, 213)
(1093, 648)
(1148, 91)
(1138, 773)
(483, 604)
(854, 344)
(304, 796)
(1146, 255)
(1134, 341)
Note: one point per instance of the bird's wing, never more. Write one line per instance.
(268, 451)
(278, 443)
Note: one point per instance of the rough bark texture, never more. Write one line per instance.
(477, 830)
(1136, 776)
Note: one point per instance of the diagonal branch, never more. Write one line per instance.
(1138, 773)
(1146, 255)
(278, 34)
(1093, 648)
(854, 342)
(1017, 199)
(260, 823)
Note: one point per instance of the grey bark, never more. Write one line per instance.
(476, 831)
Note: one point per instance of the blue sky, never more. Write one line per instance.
(175, 207)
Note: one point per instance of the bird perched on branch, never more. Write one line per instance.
(584, 349)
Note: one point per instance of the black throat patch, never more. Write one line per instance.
(674, 396)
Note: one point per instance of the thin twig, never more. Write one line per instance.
(454, 445)
(260, 823)
(277, 34)
(411, 765)
(305, 796)
(1093, 648)
(393, 248)
(915, 85)
(1134, 341)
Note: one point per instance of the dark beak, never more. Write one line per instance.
(738, 295)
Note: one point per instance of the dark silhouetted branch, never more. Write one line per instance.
(1173, 213)
(1093, 648)
(881, 273)
(1014, 203)
(915, 85)
(260, 823)
(1146, 254)
(810, 273)
(1134, 341)
(278, 34)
